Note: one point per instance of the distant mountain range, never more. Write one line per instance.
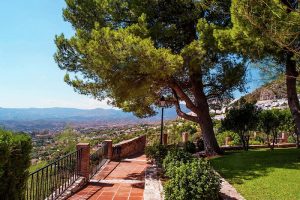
(73, 114)
(35, 119)
(26, 119)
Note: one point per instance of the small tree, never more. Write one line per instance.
(274, 121)
(270, 122)
(266, 120)
(242, 120)
(288, 124)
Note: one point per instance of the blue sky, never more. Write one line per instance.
(29, 77)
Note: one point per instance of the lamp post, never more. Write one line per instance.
(162, 103)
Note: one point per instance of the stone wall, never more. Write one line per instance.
(128, 148)
(282, 145)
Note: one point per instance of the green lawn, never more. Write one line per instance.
(262, 174)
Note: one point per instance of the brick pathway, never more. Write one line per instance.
(123, 180)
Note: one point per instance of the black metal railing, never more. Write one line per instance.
(52, 180)
(98, 159)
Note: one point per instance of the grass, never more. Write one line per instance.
(262, 174)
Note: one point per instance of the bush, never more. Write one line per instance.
(175, 158)
(291, 139)
(14, 163)
(259, 139)
(189, 127)
(193, 180)
(235, 139)
(254, 142)
(200, 144)
(156, 152)
(189, 147)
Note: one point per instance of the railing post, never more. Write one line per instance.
(284, 137)
(109, 149)
(84, 162)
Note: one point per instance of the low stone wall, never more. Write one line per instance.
(128, 148)
(283, 145)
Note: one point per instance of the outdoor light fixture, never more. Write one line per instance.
(162, 103)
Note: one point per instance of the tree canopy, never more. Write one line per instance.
(262, 28)
(275, 120)
(242, 120)
(267, 30)
(135, 51)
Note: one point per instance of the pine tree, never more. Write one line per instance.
(134, 51)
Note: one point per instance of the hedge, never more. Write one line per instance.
(15, 152)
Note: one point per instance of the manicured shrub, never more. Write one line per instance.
(235, 138)
(14, 163)
(259, 139)
(175, 157)
(189, 147)
(291, 139)
(156, 152)
(193, 180)
(254, 142)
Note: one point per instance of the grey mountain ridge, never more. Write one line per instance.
(73, 114)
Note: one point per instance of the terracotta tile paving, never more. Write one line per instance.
(117, 181)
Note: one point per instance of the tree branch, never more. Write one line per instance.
(180, 113)
(181, 95)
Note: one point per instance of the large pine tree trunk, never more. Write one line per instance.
(200, 107)
(210, 142)
(206, 125)
(291, 83)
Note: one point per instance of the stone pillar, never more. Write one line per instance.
(165, 139)
(109, 149)
(185, 136)
(284, 137)
(84, 162)
(227, 140)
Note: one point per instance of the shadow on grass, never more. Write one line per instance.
(240, 166)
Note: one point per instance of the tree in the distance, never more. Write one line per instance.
(270, 122)
(242, 120)
(288, 125)
(132, 52)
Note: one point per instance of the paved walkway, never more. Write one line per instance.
(123, 180)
